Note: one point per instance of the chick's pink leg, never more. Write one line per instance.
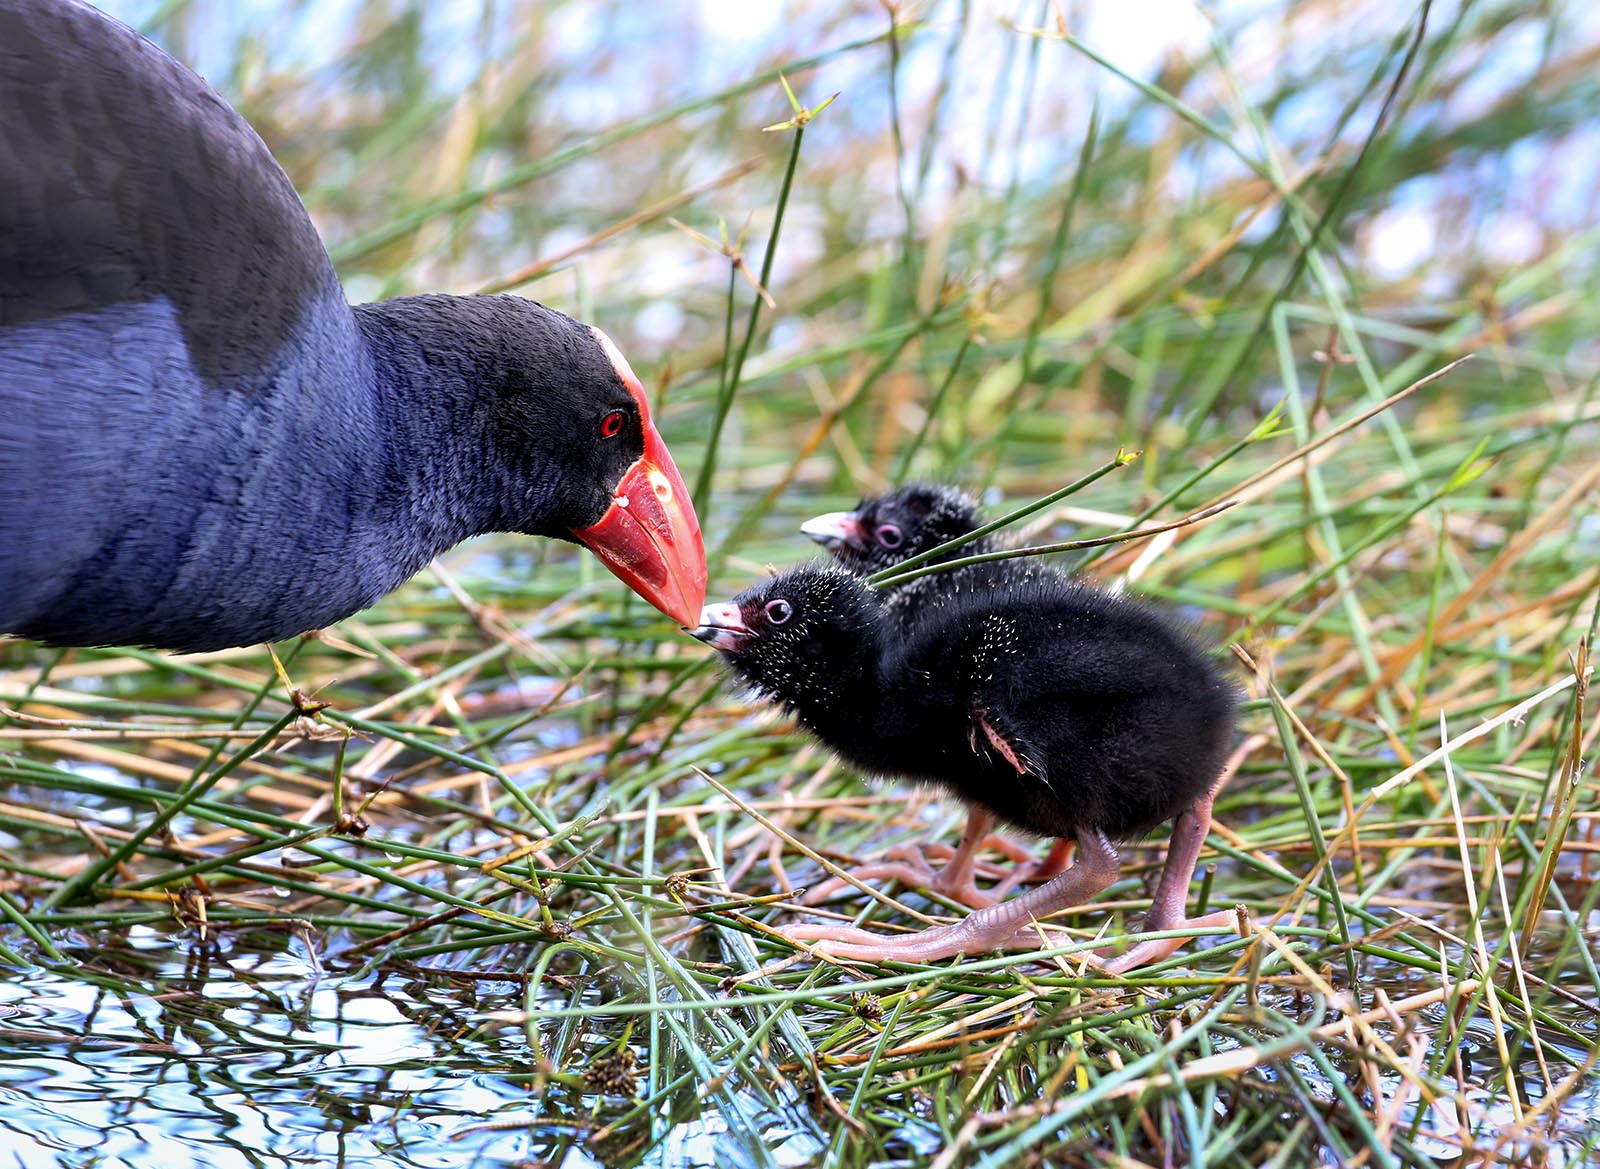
(1008, 925)
(1172, 894)
(956, 880)
(1189, 831)
(1031, 870)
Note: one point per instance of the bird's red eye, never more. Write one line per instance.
(779, 611)
(889, 536)
(611, 424)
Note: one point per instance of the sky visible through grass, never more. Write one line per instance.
(508, 899)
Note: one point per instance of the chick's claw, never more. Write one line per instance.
(1121, 959)
(929, 945)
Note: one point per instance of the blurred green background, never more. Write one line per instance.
(457, 146)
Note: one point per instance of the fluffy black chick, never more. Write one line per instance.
(882, 532)
(889, 529)
(1064, 710)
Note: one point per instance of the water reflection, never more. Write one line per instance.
(253, 1061)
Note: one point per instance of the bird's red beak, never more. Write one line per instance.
(649, 536)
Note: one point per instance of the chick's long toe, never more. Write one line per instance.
(1007, 925)
(1015, 924)
(957, 880)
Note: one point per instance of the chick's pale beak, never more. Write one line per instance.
(722, 627)
(836, 528)
(649, 536)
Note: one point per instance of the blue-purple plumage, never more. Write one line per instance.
(201, 443)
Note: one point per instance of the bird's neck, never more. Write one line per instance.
(440, 464)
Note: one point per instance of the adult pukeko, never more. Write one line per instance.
(1062, 709)
(201, 443)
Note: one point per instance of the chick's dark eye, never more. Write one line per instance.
(779, 611)
(611, 424)
(889, 536)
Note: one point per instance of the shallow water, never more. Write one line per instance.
(250, 1060)
(165, 1053)
(240, 1058)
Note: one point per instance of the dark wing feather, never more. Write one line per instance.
(124, 178)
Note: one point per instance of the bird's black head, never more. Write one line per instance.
(803, 636)
(568, 428)
(883, 531)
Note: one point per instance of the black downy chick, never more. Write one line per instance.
(1067, 711)
(887, 530)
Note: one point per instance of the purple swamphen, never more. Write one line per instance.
(201, 443)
